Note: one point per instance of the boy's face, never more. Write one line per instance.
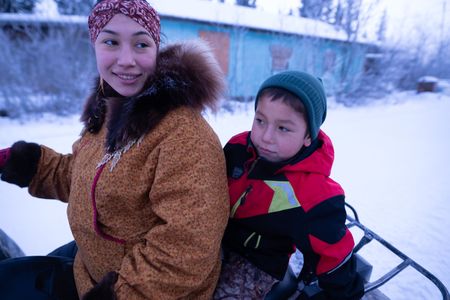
(278, 131)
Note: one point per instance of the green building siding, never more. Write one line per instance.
(250, 55)
(247, 55)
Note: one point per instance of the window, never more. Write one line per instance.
(280, 57)
(220, 44)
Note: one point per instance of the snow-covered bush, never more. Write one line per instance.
(17, 6)
(45, 69)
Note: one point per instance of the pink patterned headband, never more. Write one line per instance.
(138, 10)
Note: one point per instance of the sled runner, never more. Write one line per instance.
(294, 287)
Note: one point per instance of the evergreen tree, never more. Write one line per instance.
(248, 3)
(348, 17)
(311, 9)
(327, 11)
(381, 32)
(339, 15)
(75, 7)
(344, 14)
(318, 9)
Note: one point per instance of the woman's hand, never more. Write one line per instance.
(20, 163)
(4, 155)
(104, 290)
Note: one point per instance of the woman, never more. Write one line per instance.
(145, 184)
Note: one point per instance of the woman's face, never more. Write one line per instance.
(126, 55)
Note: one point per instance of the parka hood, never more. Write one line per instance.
(187, 74)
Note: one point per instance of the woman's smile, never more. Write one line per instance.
(128, 78)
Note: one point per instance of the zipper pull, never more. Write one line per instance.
(247, 190)
(252, 166)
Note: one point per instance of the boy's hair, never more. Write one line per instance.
(278, 94)
(308, 89)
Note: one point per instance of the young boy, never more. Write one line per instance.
(282, 197)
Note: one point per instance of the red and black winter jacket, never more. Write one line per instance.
(278, 207)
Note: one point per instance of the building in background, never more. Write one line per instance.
(249, 44)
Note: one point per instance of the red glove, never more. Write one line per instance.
(4, 155)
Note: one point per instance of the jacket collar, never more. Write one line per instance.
(317, 158)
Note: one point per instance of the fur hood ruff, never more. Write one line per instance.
(187, 74)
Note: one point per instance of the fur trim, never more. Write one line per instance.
(186, 74)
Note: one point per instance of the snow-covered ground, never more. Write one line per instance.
(392, 158)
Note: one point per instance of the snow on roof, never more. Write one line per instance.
(36, 18)
(428, 79)
(374, 55)
(234, 15)
(211, 12)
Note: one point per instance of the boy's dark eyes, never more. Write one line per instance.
(284, 129)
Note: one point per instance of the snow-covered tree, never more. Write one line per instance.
(314, 9)
(248, 3)
(381, 32)
(17, 6)
(311, 9)
(75, 7)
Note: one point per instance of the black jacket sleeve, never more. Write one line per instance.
(344, 283)
(331, 257)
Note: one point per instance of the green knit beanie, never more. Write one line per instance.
(308, 89)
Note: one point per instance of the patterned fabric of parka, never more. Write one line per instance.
(156, 213)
